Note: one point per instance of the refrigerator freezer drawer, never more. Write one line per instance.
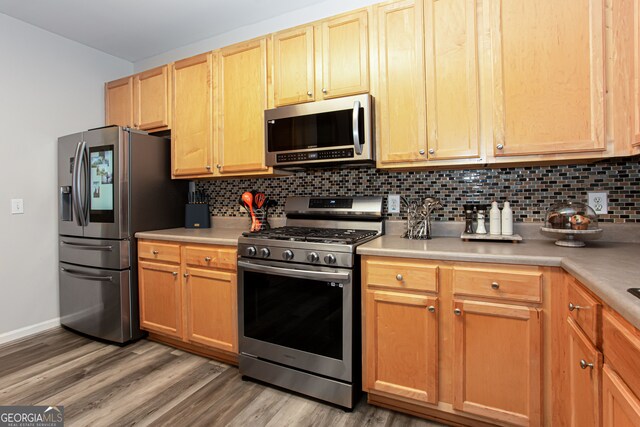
(112, 254)
(96, 302)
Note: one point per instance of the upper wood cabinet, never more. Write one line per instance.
(636, 68)
(497, 358)
(293, 66)
(548, 76)
(400, 95)
(118, 97)
(193, 118)
(452, 79)
(152, 99)
(323, 60)
(242, 100)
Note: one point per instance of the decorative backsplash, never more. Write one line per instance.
(530, 190)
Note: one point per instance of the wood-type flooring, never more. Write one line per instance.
(147, 383)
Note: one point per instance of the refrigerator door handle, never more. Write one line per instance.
(88, 247)
(86, 276)
(75, 184)
(87, 186)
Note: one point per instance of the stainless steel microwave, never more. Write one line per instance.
(334, 132)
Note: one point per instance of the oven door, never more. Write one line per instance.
(297, 316)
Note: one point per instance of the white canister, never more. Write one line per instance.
(494, 219)
(507, 220)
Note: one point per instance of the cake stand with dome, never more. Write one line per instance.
(571, 223)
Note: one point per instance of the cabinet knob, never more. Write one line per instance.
(135, 125)
(574, 307)
(207, 258)
(155, 252)
(399, 277)
(309, 93)
(495, 286)
(431, 309)
(421, 152)
(208, 167)
(457, 312)
(432, 151)
(219, 166)
(585, 365)
(186, 274)
(499, 146)
(175, 273)
(324, 90)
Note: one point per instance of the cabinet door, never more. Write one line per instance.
(496, 362)
(620, 407)
(211, 303)
(636, 61)
(345, 55)
(585, 369)
(293, 66)
(243, 99)
(401, 94)
(401, 336)
(152, 99)
(160, 298)
(548, 71)
(452, 79)
(192, 133)
(118, 98)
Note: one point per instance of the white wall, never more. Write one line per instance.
(49, 87)
(312, 13)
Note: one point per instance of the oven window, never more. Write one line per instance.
(297, 313)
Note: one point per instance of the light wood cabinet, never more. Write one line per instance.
(243, 99)
(548, 76)
(585, 378)
(152, 99)
(620, 407)
(193, 301)
(160, 288)
(324, 60)
(636, 68)
(497, 358)
(118, 97)
(193, 118)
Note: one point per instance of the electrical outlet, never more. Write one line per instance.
(598, 202)
(393, 203)
(17, 206)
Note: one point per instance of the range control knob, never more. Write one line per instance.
(330, 259)
(251, 251)
(313, 257)
(265, 252)
(287, 255)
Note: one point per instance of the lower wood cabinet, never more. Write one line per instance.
(620, 407)
(193, 299)
(497, 361)
(401, 335)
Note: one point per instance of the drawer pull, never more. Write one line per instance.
(495, 286)
(457, 312)
(585, 365)
(207, 258)
(431, 309)
(175, 273)
(155, 252)
(399, 277)
(186, 274)
(574, 307)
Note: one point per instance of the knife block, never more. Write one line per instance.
(196, 215)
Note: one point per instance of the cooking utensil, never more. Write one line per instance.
(260, 199)
(247, 198)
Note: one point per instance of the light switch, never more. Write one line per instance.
(598, 202)
(17, 206)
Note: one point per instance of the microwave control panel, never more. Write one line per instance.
(343, 153)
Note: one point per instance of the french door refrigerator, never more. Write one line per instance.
(112, 183)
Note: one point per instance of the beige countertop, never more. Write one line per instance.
(207, 236)
(608, 269)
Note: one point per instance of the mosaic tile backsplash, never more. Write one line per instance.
(530, 190)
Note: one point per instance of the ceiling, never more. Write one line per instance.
(138, 29)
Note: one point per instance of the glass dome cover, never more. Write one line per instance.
(568, 215)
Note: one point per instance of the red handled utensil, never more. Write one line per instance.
(247, 198)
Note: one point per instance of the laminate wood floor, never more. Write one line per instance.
(147, 383)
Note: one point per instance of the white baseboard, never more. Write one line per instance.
(28, 330)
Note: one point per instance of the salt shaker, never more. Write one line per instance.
(480, 228)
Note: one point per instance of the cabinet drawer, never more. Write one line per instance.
(621, 348)
(211, 256)
(396, 274)
(166, 252)
(585, 310)
(504, 284)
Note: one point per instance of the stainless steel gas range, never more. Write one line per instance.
(299, 297)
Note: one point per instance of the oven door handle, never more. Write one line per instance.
(294, 272)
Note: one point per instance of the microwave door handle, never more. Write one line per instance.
(292, 272)
(357, 146)
(77, 275)
(75, 185)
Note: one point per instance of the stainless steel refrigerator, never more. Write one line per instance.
(112, 183)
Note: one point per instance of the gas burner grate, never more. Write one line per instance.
(313, 234)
